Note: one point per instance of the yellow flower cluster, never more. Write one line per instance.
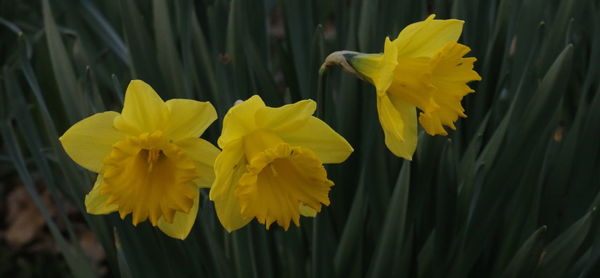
(151, 162)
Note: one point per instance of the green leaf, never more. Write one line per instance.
(548, 94)
(78, 264)
(560, 253)
(124, 270)
(394, 227)
(525, 259)
(105, 31)
(169, 61)
(64, 74)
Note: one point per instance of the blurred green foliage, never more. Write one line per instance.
(511, 193)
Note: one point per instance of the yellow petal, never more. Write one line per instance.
(90, 140)
(307, 211)
(404, 144)
(240, 120)
(378, 68)
(231, 158)
(182, 222)
(316, 135)
(143, 110)
(389, 117)
(399, 123)
(229, 167)
(424, 38)
(229, 213)
(203, 153)
(189, 118)
(95, 203)
(286, 117)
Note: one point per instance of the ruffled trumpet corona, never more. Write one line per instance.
(149, 158)
(422, 68)
(271, 167)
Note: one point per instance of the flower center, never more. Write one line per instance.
(280, 179)
(150, 178)
(152, 156)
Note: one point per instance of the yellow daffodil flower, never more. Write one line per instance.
(149, 159)
(422, 68)
(271, 166)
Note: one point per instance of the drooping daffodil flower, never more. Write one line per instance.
(422, 68)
